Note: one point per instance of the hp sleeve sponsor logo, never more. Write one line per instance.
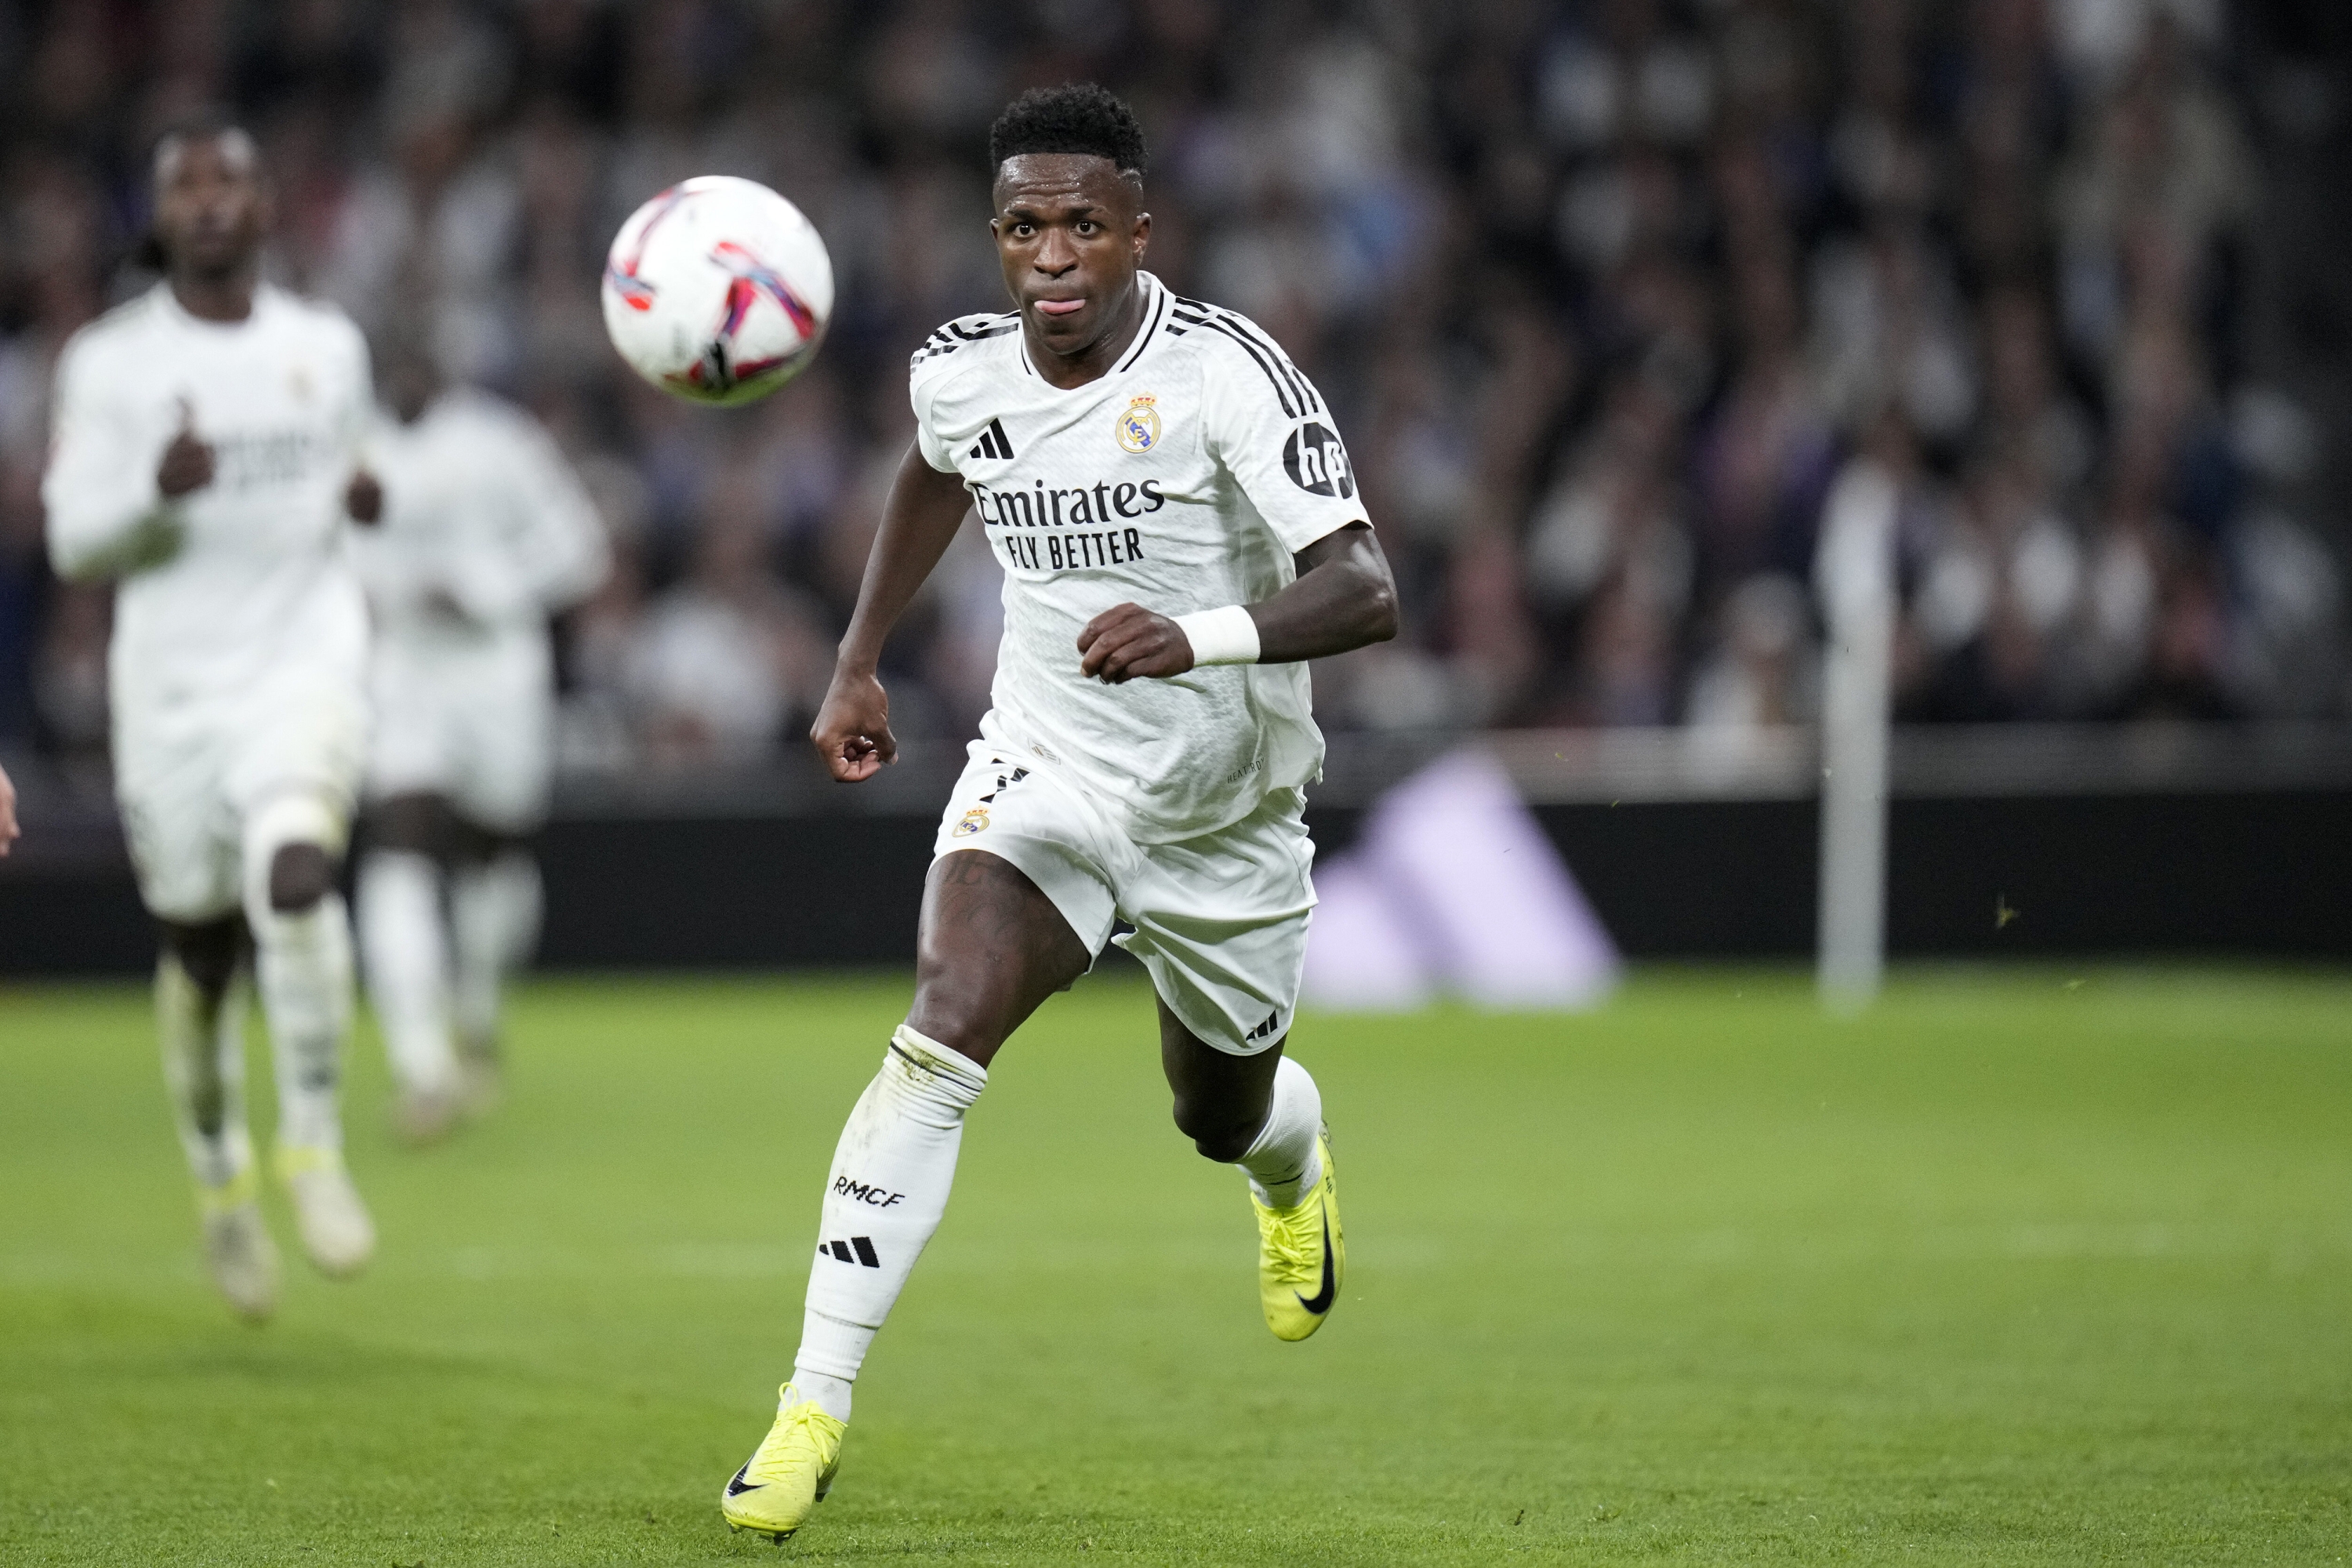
(1316, 463)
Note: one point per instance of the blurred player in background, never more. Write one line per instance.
(207, 453)
(10, 831)
(1180, 532)
(486, 533)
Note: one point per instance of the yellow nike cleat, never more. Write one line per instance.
(1301, 1258)
(789, 1474)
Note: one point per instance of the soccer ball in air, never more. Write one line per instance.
(717, 291)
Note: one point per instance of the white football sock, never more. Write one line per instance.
(404, 944)
(204, 1068)
(1284, 1164)
(304, 963)
(302, 960)
(883, 1199)
(494, 910)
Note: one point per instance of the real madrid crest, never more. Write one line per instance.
(974, 821)
(1138, 428)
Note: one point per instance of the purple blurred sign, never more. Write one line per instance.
(1454, 887)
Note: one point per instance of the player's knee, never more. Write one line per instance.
(1221, 1132)
(207, 953)
(300, 876)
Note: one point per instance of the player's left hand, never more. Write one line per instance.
(1128, 640)
(8, 828)
(363, 498)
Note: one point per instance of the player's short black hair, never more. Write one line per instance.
(1076, 117)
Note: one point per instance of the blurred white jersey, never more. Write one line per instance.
(240, 634)
(1184, 479)
(258, 578)
(486, 532)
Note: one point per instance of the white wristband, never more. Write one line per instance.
(1225, 636)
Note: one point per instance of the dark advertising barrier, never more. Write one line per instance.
(2167, 853)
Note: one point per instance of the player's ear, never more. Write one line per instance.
(1142, 234)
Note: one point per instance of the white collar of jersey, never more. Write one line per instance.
(182, 316)
(1156, 299)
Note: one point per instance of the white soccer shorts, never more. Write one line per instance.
(475, 728)
(1220, 921)
(189, 776)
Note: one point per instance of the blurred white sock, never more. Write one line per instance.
(302, 963)
(404, 943)
(204, 1068)
(887, 1191)
(494, 909)
(1284, 1164)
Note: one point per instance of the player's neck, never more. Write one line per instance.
(1095, 360)
(228, 296)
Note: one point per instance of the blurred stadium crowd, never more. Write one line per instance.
(1603, 295)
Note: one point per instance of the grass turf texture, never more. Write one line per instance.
(2020, 1268)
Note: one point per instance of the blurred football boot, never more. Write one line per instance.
(336, 1230)
(423, 1116)
(239, 1252)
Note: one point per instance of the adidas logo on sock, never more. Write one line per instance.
(1273, 1020)
(864, 1251)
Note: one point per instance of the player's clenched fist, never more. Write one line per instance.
(187, 462)
(852, 731)
(363, 498)
(1128, 640)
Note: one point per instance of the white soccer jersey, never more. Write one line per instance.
(480, 506)
(1184, 479)
(250, 574)
(481, 510)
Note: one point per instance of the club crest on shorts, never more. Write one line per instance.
(974, 821)
(1138, 428)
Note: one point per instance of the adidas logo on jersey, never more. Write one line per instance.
(856, 1249)
(1265, 1030)
(992, 444)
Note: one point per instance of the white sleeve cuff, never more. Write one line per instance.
(1226, 636)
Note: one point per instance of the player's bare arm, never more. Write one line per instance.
(925, 508)
(1344, 598)
(10, 831)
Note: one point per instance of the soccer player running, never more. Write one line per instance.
(486, 533)
(1180, 530)
(206, 452)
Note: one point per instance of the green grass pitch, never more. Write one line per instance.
(2033, 1266)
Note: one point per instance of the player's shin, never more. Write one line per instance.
(304, 964)
(883, 1199)
(1283, 1163)
(203, 1038)
(494, 912)
(404, 944)
(302, 958)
